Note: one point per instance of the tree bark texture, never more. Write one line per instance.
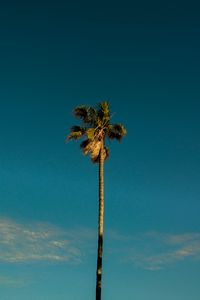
(100, 224)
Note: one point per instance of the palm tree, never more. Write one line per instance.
(96, 128)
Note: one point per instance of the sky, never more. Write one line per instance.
(142, 57)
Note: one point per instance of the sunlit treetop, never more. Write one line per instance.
(95, 128)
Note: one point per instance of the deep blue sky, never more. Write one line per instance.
(144, 59)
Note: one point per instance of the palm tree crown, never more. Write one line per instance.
(95, 128)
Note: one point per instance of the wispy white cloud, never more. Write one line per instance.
(20, 242)
(158, 250)
(12, 281)
(117, 236)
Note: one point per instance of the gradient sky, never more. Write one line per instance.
(144, 58)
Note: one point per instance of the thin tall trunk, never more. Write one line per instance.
(100, 224)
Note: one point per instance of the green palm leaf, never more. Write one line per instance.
(76, 132)
(86, 113)
(104, 112)
(116, 131)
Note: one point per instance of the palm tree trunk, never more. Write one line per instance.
(100, 224)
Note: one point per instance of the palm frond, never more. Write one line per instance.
(76, 132)
(90, 133)
(116, 131)
(95, 158)
(91, 147)
(104, 112)
(85, 146)
(86, 113)
(95, 150)
(81, 112)
(77, 128)
(92, 116)
(106, 153)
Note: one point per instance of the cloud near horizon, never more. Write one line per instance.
(34, 242)
(155, 251)
(12, 281)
